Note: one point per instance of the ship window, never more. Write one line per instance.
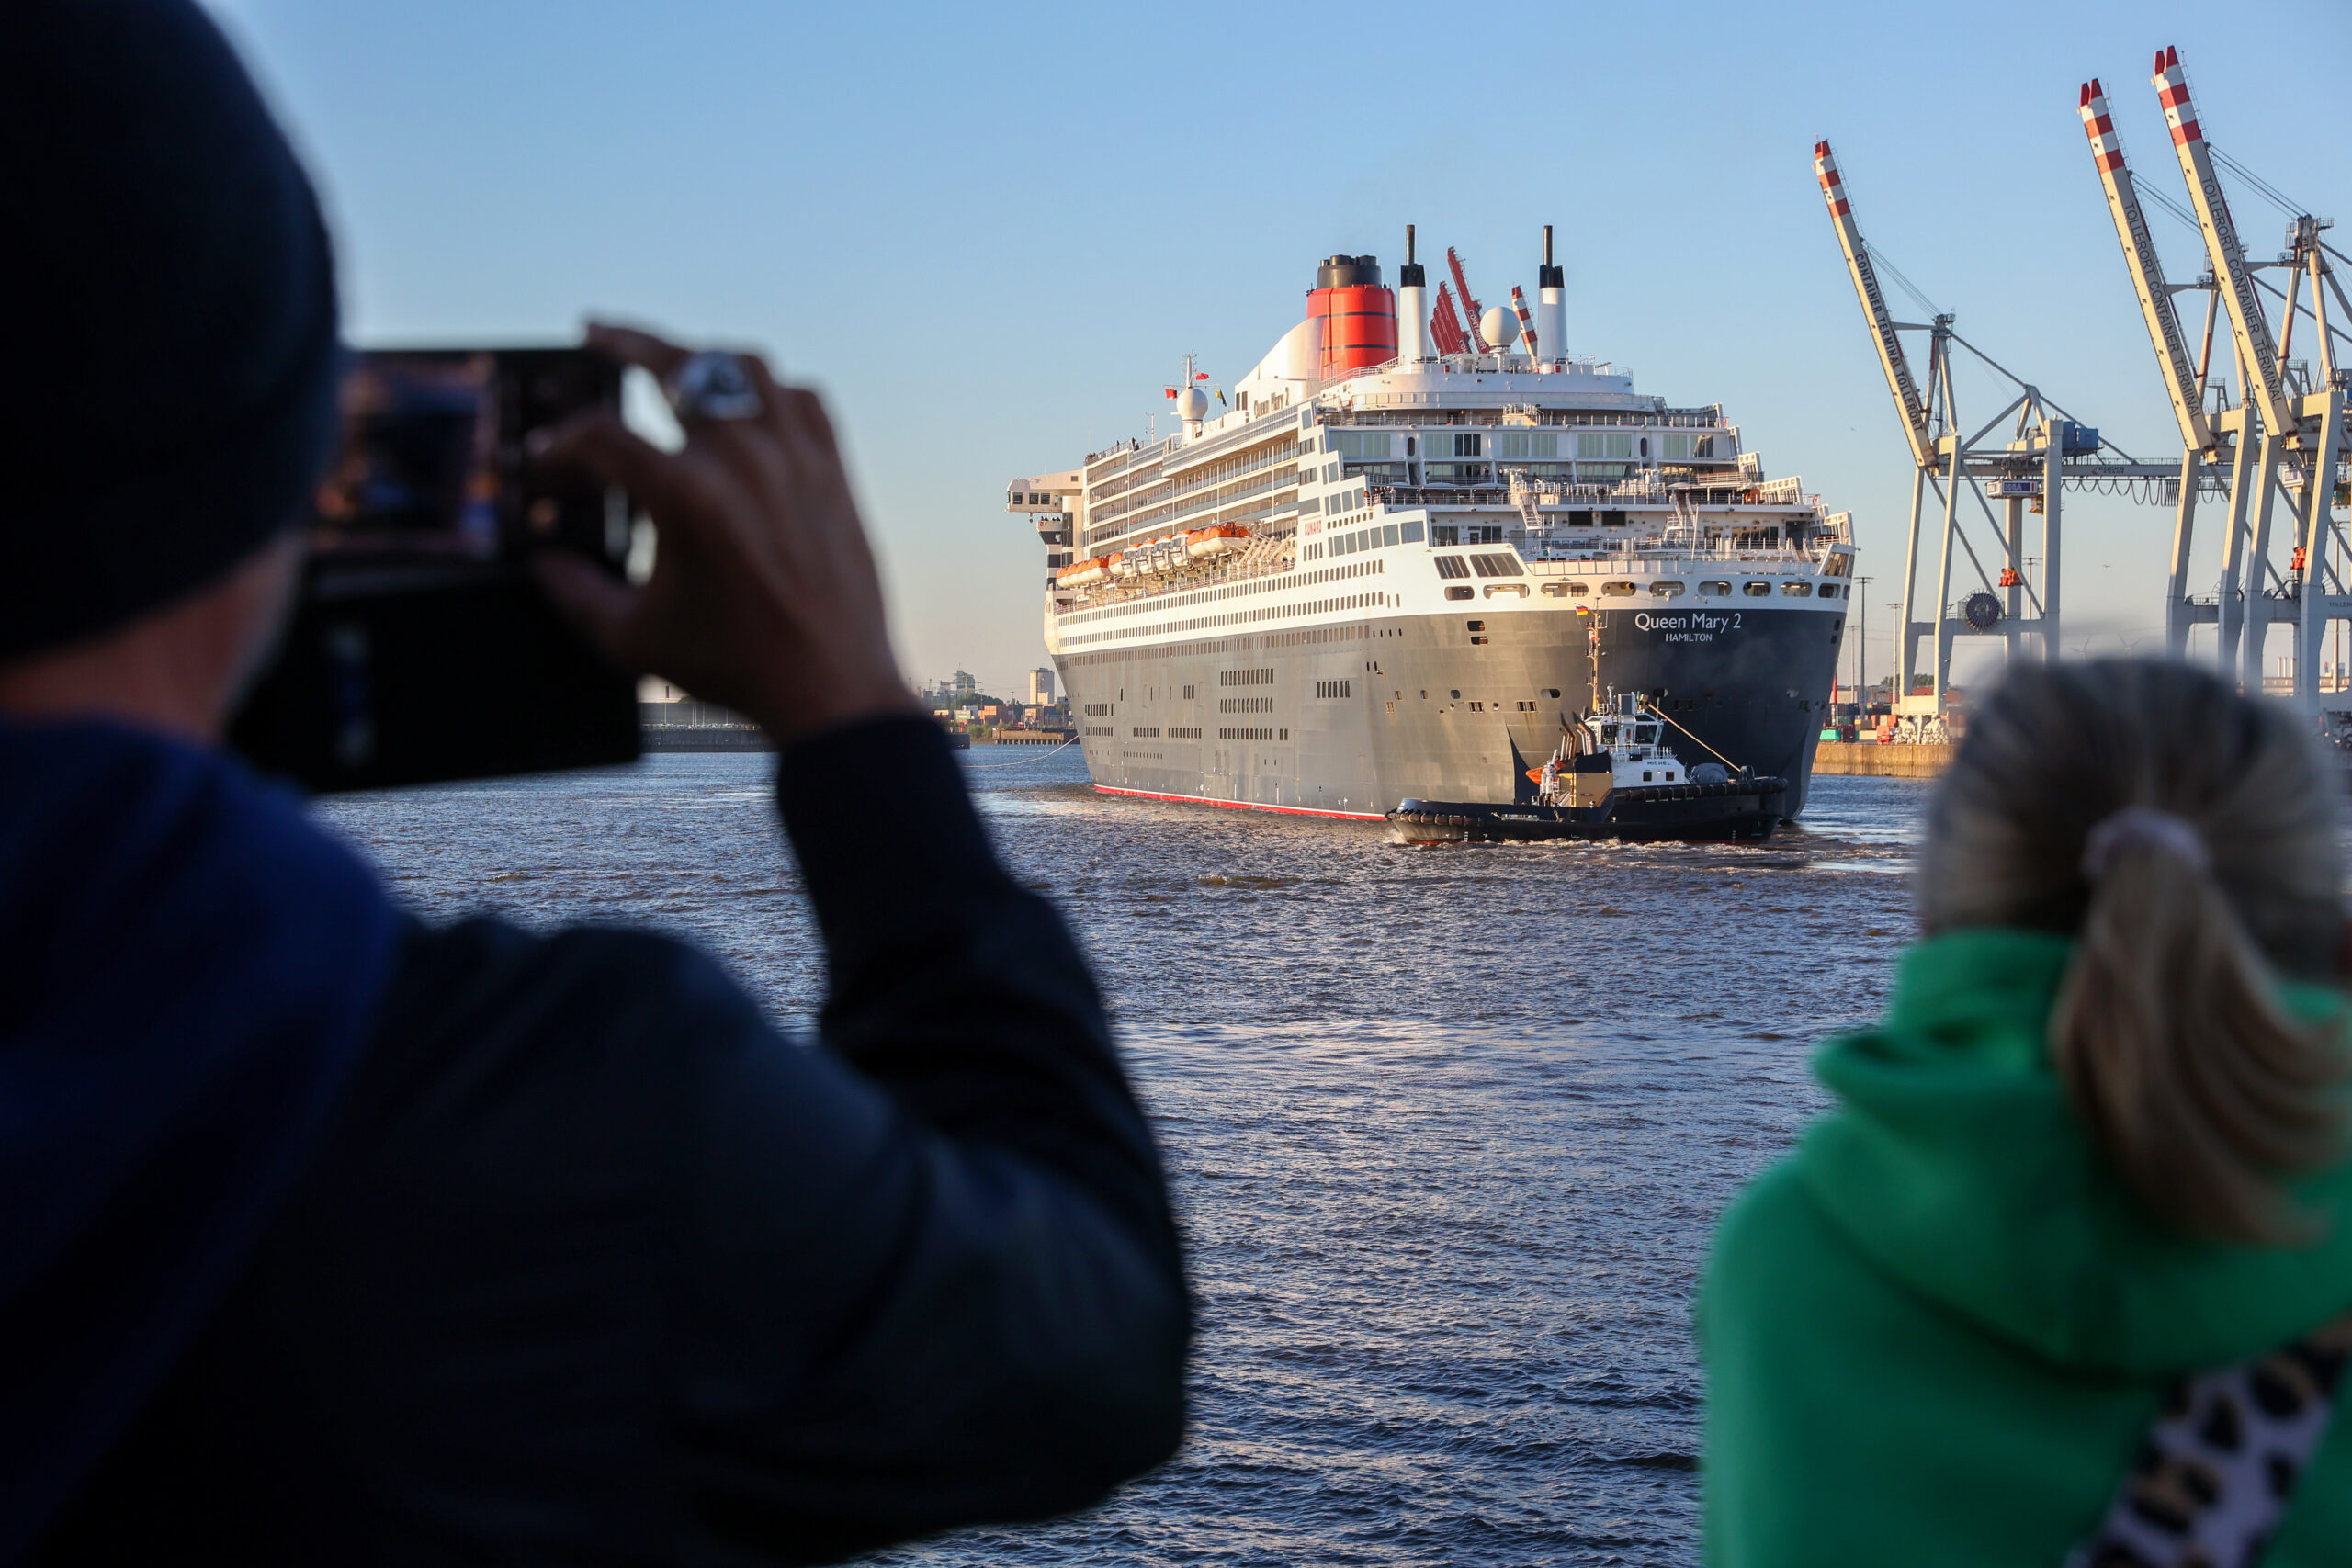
(1411, 533)
(1667, 589)
(1454, 694)
(1556, 590)
(1446, 534)
(1645, 446)
(1551, 690)
(1714, 589)
(1677, 448)
(1388, 534)
(1526, 443)
(1829, 591)
(1645, 735)
(1476, 626)
(1466, 444)
(1461, 594)
(1756, 590)
(1577, 590)
(1618, 590)
(1452, 566)
(1796, 589)
(1603, 444)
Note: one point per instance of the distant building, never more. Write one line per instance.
(1041, 688)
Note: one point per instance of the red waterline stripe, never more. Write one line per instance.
(1246, 805)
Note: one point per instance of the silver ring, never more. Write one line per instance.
(714, 386)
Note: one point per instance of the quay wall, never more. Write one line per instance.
(702, 738)
(1024, 738)
(1868, 759)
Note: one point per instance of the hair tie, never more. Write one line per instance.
(2144, 826)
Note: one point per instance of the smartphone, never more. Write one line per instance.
(421, 648)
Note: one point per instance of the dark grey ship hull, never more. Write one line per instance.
(1350, 720)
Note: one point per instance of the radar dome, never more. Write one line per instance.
(1499, 327)
(1191, 403)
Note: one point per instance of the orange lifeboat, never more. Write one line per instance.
(1084, 573)
(1225, 538)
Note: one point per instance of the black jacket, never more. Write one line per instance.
(592, 1264)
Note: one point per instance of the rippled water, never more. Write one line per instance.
(1448, 1126)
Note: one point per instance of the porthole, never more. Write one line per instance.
(1714, 589)
(1757, 590)
(1796, 589)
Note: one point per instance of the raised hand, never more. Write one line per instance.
(764, 596)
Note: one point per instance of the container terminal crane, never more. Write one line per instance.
(1404, 558)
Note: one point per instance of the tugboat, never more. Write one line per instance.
(1612, 776)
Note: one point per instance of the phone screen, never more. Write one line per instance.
(421, 648)
(433, 469)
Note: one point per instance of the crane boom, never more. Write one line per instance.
(2258, 355)
(1446, 326)
(2173, 357)
(1526, 322)
(1478, 333)
(1907, 400)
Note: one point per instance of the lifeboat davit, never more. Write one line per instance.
(1127, 563)
(1225, 538)
(1084, 573)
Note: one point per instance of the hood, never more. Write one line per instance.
(1955, 1163)
(187, 969)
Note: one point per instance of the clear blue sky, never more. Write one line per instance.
(988, 233)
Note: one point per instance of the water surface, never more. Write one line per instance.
(1448, 1126)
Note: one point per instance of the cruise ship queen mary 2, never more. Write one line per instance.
(1411, 549)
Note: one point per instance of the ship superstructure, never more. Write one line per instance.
(1386, 569)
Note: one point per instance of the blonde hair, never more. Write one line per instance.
(2168, 1032)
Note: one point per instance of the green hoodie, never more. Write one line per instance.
(1936, 1333)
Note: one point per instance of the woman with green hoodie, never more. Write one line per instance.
(2063, 1277)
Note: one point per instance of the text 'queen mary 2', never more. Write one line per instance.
(1400, 561)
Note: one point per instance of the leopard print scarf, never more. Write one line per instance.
(2215, 1472)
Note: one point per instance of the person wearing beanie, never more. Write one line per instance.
(330, 1237)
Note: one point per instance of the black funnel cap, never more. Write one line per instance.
(1348, 272)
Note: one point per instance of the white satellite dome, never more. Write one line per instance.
(1499, 327)
(1191, 403)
